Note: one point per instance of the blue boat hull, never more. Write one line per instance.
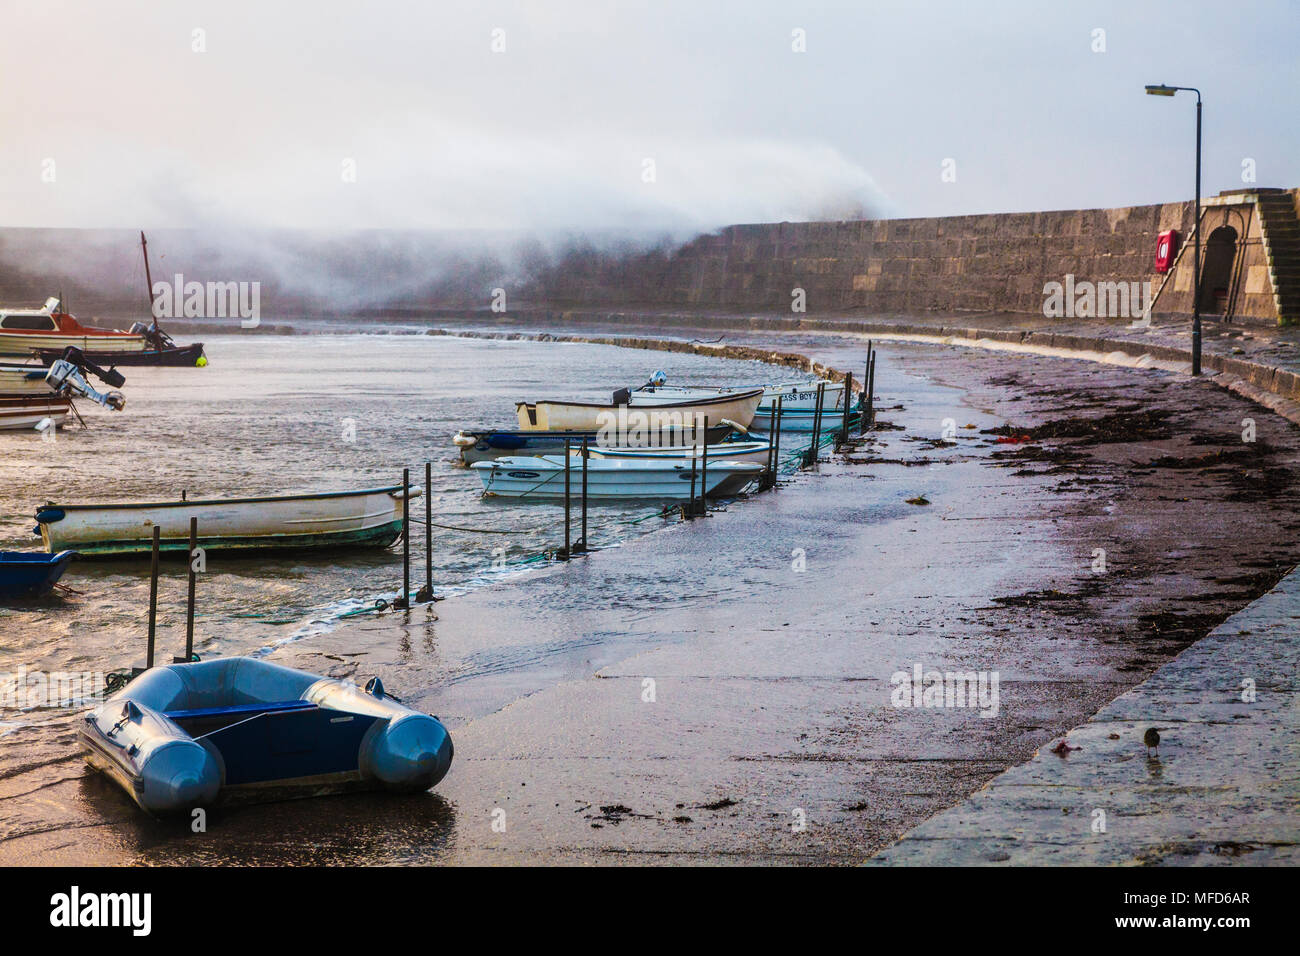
(26, 574)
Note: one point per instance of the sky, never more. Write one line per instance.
(667, 117)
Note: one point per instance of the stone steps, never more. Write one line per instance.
(1281, 233)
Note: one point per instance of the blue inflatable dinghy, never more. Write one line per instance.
(195, 734)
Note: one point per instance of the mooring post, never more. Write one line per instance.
(426, 593)
(404, 600)
(776, 437)
(153, 596)
(811, 458)
(689, 510)
(189, 604)
(848, 396)
(567, 545)
(582, 542)
(866, 390)
(871, 390)
(704, 471)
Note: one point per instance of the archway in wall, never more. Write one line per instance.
(1216, 270)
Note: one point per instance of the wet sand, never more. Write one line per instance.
(771, 686)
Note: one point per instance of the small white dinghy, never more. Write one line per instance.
(664, 479)
(628, 411)
(370, 517)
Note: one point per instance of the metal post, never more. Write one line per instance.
(704, 471)
(426, 592)
(689, 510)
(870, 412)
(582, 542)
(189, 605)
(848, 395)
(776, 437)
(567, 544)
(866, 389)
(404, 601)
(153, 596)
(1196, 232)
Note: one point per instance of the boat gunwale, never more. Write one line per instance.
(714, 400)
(390, 489)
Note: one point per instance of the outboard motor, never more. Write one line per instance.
(66, 380)
(111, 376)
(623, 396)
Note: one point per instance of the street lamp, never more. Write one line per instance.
(1163, 90)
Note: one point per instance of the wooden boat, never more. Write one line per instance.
(487, 445)
(28, 411)
(736, 407)
(26, 331)
(237, 728)
(367, 518)
(751, 451)
(542, 478)
(28, 574)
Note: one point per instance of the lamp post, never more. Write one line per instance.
(1163, 90)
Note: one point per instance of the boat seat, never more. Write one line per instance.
(233, 710)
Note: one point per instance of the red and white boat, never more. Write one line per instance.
(22, 331)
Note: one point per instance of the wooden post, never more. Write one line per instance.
(404, 601)
(189, 605)
(866, 392)
(153, 596)
(567, 544)
(426, 592)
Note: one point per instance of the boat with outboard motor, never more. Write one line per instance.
(201, 733)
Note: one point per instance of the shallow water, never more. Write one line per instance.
(274, 415)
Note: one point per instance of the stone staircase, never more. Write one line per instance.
(1281, 234)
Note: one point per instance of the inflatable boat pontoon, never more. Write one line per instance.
(190, 735)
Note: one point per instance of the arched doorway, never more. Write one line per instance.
(1216, 270)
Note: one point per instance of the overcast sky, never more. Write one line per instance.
(553, 132)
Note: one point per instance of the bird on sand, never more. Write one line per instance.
(1152, 739)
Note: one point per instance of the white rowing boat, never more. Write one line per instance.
(370, 517)
(751, 451)
(663, 479)
(624, 413)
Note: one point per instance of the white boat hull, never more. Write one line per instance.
(755, 452)
(372, 517)
(797, 395)
(25, 343)
(666, 480)
(593, 416)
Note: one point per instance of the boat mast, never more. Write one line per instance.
(144, 248)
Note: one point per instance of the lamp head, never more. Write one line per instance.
(1161, 90)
